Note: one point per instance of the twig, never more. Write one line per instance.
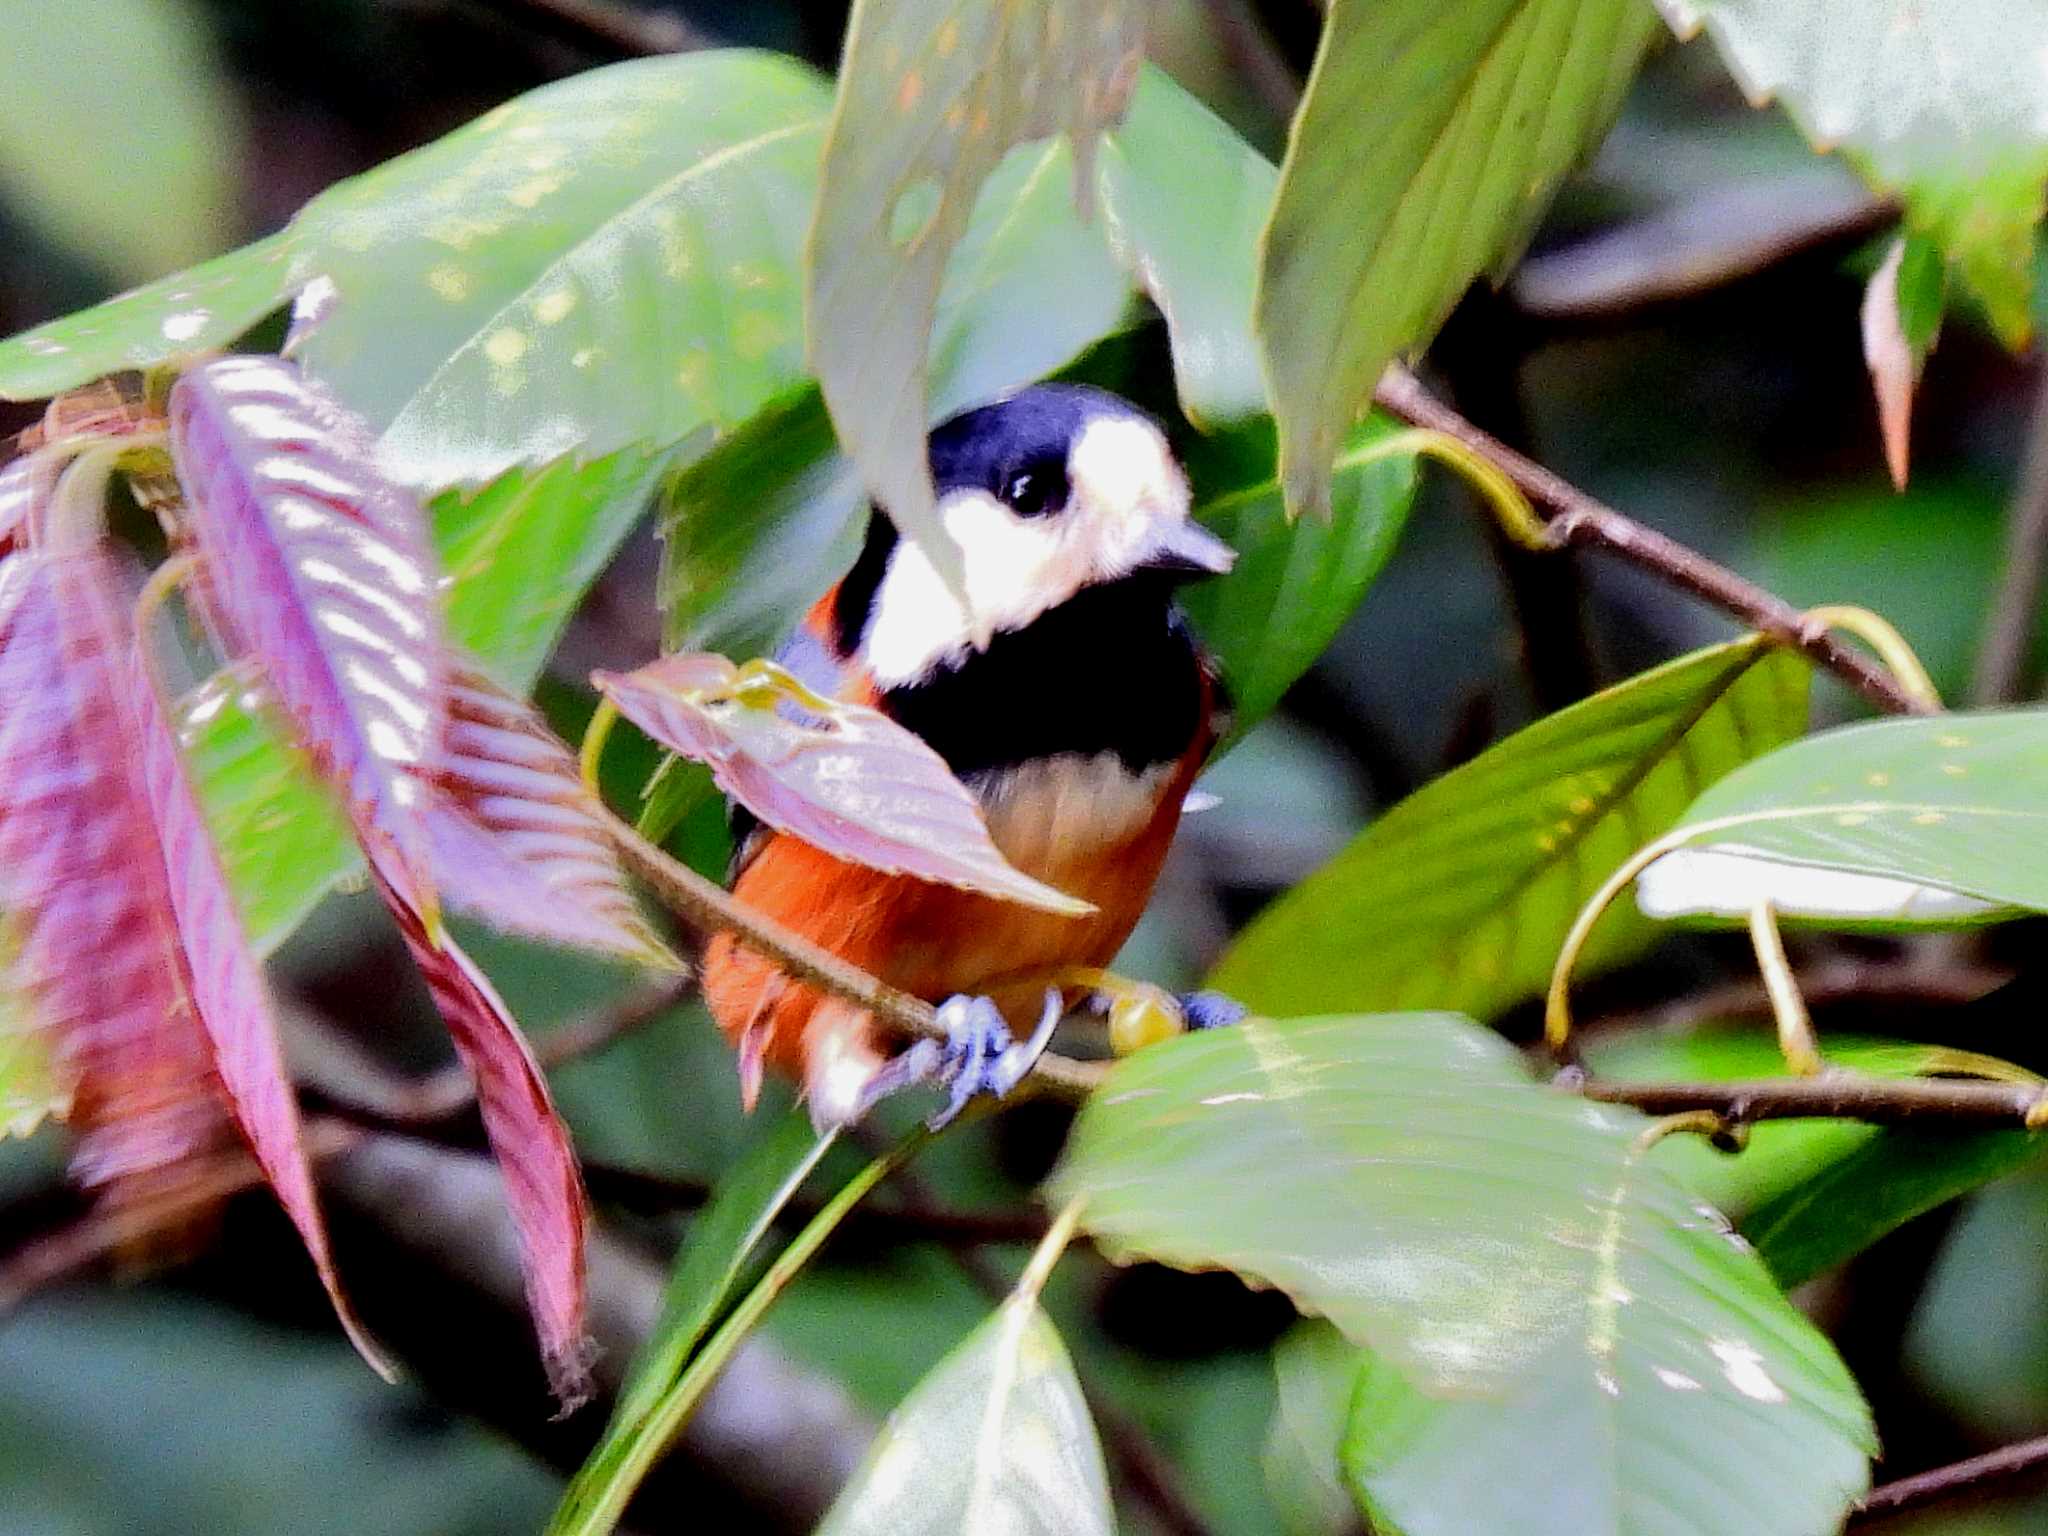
(1840, 1095)
(709, 908)
(1577, 519)
(1245, 41)
(612, 31)
(1957, 1477)
(2015, 615)
(1832, 981)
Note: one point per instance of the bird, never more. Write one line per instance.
(1061, 684)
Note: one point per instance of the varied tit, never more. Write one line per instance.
(1079, 725)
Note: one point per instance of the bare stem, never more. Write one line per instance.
(1957, 1477)
(1838, 1095)
(2016, 609)
(1574, 518)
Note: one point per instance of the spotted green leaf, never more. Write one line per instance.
(930, 100)
(1428, 143)
(1945, 106)
(996, 1438)
(1520, 1267)
(1946, 804)
(1460, 896)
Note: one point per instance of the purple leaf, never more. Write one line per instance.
(519, 840)
(227, 987)
(318, 566)
(543, 1187)
(82, 878)
(843, 777)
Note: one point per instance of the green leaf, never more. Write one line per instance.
(722, 1241)
(1945, 106)
(1461, 895)
(520, 553)
(1427, 145)
(930, 99)
(1508, 1249)
(117, 134)
(1315, 1371)
(1895, 1175)
(1940, 805)
(1296, 579)
(996, 1438)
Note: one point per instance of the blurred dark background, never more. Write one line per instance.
(1682, 341)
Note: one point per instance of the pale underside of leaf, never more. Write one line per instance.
(843, 777)
(928, 104)
(1460, 896)
(319, 567)
(995, 1438)
(1427, 144)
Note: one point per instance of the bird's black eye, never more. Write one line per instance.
(1036, 487)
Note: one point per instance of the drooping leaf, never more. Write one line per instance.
(1427, 145)
(543, 1186)
(1507, 1249)
(319, 566)
(1952, 805)
(1901, 315)
(1945, 106)
(227, 989)
(996, 1438)
(843, 777)
(131, 89)
(519, 840)
(722, 1242)
(1460, 896)
(1296, 580)
(81, 876)
(928, 103)
(1316, 1371)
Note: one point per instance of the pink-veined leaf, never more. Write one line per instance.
(543, 1186)
(843, 777)
(517, 836)
(318, 566)
(228, 990)
(96, 956)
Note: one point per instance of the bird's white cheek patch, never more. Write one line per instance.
(1123, 472)
(1730, 880)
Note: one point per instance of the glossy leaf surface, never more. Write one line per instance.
(843, 777)
(1942, 105)
(1426, 147)
(1461, 895)
(1507, 1249)
(1955, 802)
(320, 568)
(518, 840)
(543, 1186)
(929, 101)
(996, 1438)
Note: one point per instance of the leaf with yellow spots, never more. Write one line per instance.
(1519, 1265)
(1460, 896)
(996, 1438)
(930, 99)
(1937, 806)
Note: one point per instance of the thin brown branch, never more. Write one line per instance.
(1957, 1477)
(708, 907)
(1838, 1095)
(1576, 519)
(1244, 40)
(2015, 615)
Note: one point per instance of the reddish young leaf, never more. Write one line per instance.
(1901, 318)
(226, 984)
(543, 1186)
(844, 778)
(318, 566)
(517, 837)
(80, 872)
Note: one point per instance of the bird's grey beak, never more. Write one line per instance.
(1190, 550)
